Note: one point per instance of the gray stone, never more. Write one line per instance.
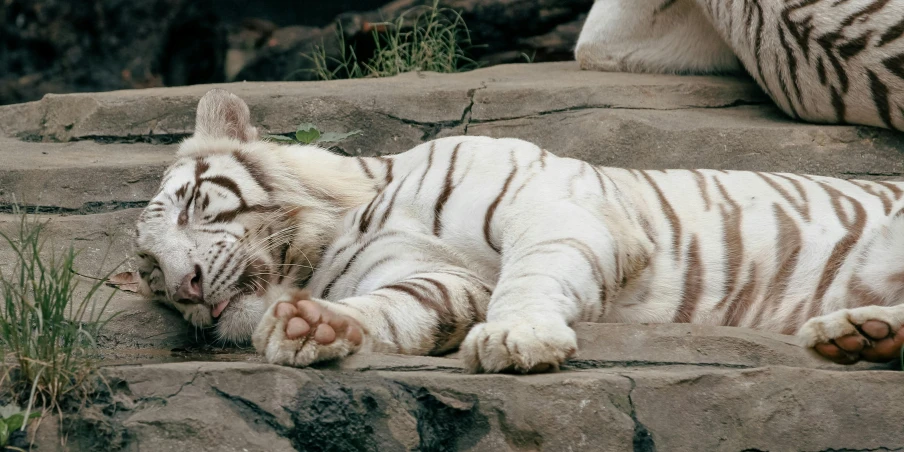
(695, 401)
(757, 138)
(629, 120)
(770, 408)
(80, 176)
(427, 100)
(614, 345)
(103, 241)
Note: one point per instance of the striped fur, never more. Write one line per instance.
(824, 61)
(496, 246)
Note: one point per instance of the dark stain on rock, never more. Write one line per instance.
(349, 413)
(342, 416)
(446, 422)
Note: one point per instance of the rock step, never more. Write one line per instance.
(112, 156)
(80, 177)
(419, 99)
(420, 404)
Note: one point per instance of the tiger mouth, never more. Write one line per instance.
(245, 288)
(217, 310)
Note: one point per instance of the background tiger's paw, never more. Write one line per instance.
(595, 57)
(301, 332)
(870, 333)
(524, 347)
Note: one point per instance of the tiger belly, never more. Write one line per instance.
(762, 250)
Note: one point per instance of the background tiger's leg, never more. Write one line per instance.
(426, 313)
(552, 275)
(821, 61)
(657, 36)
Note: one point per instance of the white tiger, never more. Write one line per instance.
(497, 247)
(825, 61)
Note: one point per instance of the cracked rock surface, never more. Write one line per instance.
(639, 387)
(89, 162)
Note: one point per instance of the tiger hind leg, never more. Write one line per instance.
(653, 36)
(869, 333)
(299, 331)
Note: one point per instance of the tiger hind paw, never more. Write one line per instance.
(301, 331)
(870, 333)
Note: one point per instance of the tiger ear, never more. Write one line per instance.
(222, 114)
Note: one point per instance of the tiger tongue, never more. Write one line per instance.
(218, 309)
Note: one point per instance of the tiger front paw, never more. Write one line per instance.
(523, 347)
(302, 331)
(871, 333)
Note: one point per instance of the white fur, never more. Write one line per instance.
(498, 247)
(827, 78)
(623, 36)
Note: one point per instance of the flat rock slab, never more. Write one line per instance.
(397, 403)
(499, 92)
(80, 177)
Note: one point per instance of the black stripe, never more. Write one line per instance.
(364, 168)
(892, 34)
(254, 169)
(352, 259)
(429, 166)
(445, 193)
(491, 210)
(792, 74)
(880, 97)
(895, 65)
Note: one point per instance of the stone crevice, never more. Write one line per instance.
(466, 114)
(185, 384)
(643, 439)
(430, 129)
(733, 104)
(250, 411)
(88, 208)
(589, 364)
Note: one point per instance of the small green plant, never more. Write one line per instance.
(47, 332)
(427, 38)
(13, 418)
(308, 133)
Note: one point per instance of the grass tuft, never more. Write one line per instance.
(47, 333)
(425, 38)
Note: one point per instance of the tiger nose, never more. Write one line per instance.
(190, 291)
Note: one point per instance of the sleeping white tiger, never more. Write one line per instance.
(497, 247)
(826, 61)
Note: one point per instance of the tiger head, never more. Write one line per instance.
(237, 220)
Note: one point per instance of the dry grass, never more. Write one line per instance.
(427, 38)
